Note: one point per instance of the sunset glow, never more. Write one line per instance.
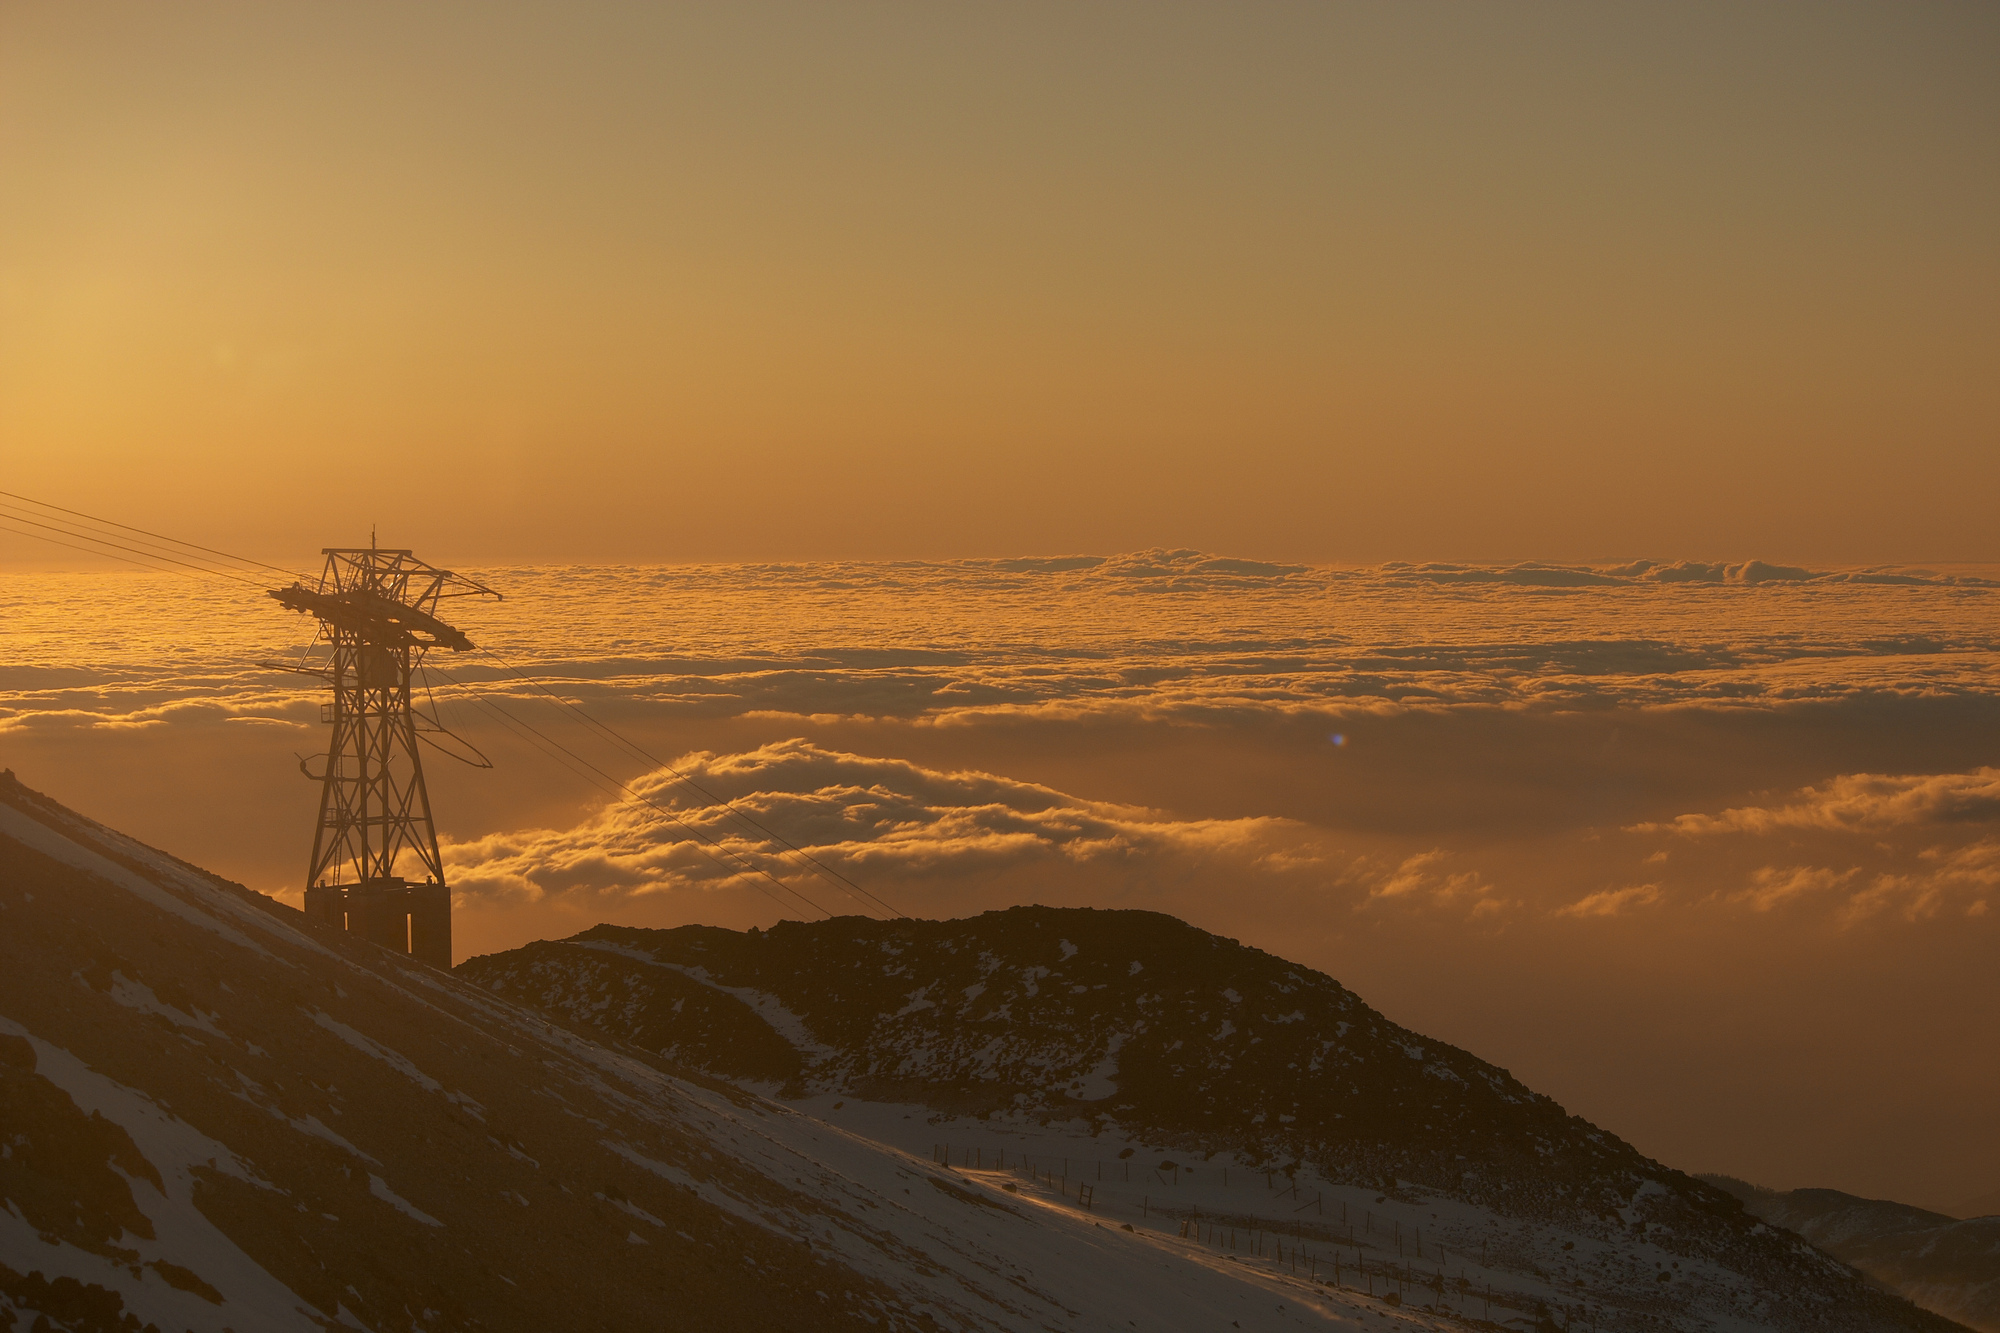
(1492, 504)
(1315, 282)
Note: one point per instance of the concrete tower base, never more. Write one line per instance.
(410, 918)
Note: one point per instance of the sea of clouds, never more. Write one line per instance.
(1641, 830)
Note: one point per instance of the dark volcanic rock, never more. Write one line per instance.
(1140, 1021)
(1132, 1017)
(324, 1131)
(215, 1114)
(658, 1009)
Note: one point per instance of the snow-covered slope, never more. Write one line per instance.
(1180, 1074)
(214, 1114)
(1941, 1263)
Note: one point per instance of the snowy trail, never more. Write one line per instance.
(1047, 1260)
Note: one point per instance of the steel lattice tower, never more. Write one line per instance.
(377, 614)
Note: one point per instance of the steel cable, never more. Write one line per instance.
(113, 523)
(812, 864)
(833, 877)
(745, 864)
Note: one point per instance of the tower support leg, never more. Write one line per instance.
(430, 924)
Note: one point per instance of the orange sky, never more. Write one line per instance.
(752, 281)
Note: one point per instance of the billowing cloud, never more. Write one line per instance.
(1611, 902)
(1936, 881)
(1774, 886)
(879, 821)
(1432, 879)
(1859, 801)
(114, 714)
(1961, 879)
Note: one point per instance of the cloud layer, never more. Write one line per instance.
(1172, 635)
(1861, 801)
(881, 822)
(1627, 829)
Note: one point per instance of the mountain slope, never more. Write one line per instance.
(1139, 1027)
(215, 1114)
(1938, 1262)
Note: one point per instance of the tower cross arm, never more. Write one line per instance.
(375, 618)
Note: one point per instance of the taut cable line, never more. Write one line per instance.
(520, 729)
(833, 877)
(715, 851)
(92, 550)
(77, 513)
(92, 537)
(181, 553)
(105, 541)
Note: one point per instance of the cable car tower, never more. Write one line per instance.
(377, 612)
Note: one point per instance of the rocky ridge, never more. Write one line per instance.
(1134, 1023)
(217, 1115)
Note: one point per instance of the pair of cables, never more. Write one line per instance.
(120, 541)
(147, 549)
(731, 860)
(808, 860)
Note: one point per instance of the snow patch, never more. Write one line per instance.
(311, 1125)
(782, 1020)
(1102, 1080)
(138, 995)
(17, 825)
(252, 1297)
(375, 1050)
(380, 1189)
(916, 1001)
